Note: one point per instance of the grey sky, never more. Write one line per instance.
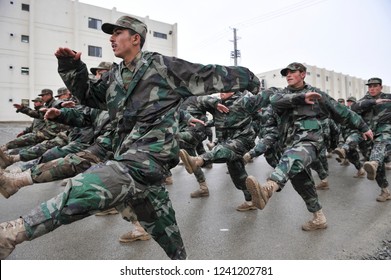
(351, 37)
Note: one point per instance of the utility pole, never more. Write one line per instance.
(235, 53)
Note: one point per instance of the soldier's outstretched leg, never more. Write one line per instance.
(101, 187)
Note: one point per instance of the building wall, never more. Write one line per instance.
(337, 85)
(50, 24)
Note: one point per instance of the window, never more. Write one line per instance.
(309, 73)
(318, 75)
(25, 38)
(25, 71)
(94, 23)
(327, 78)
(95, 51)
(159, 35)
(26, 7)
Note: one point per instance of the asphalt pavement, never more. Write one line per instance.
(211, 227)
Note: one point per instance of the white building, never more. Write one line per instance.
(337, 85)
(32, 30)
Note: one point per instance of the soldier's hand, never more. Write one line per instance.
(226, 95)
(68, 104)
(368, 135)
(20, 134)
(247, 158)
(311, 96)
(194, 121)
(221, 108)
(51, 113)
(380, 101)
(67, 53)
(18, 106)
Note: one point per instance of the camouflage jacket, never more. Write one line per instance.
(87, 122)
(48, 128)
(301, 122)
(377, 116)
(269, 134)
(237, 123)
(145, 115)
(37, 124)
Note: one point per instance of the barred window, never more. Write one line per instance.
(25, 38)
(94, 23)
(159, 35)
(25, 7)
(95, 51)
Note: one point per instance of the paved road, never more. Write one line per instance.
(213, 229)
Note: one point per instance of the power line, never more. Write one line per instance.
(262, 18)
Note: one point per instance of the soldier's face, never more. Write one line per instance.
(122, 43)
(295, 79)
(374, 89)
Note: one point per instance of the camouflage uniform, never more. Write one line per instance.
(268, 137)
(75, 163)
(378, 116)
(235, 133)
(303, 137)
(189, 137)
(44, 130)
(142, 99)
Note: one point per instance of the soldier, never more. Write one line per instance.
(98, 71)
(37, 124)
(47, 130)
(73, 163)
(353, 141)
(189, 137)
(299, 107)
(233, 123)
(142, 95)
(375, 108)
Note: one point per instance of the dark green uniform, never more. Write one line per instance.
(142, 100)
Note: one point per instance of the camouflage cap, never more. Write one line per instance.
(61, 91)
(352, 99)
(46, 91)
(126, 22)
(341, 100)
(294, 66)
(102, 66)
(374, 81)
(37, 99)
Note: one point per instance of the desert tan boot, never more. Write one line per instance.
(371, 168)
(138, 233)
(384, 195)
(260, 194)
(11, 234)
(191, 163)
(323, 185)
(10, 183)
(318, 222)
(203, 191)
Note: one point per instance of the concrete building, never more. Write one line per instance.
(32, 30)
(337, 85)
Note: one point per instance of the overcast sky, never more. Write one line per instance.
(351, 37)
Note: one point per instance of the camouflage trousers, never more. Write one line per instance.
(62, 168)
(294, 166)
(320, 165)
(102, 187)
(231, 152)
(380, 151)
(189, 141)
(28, 139)
(39, 149)
(353, 143)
